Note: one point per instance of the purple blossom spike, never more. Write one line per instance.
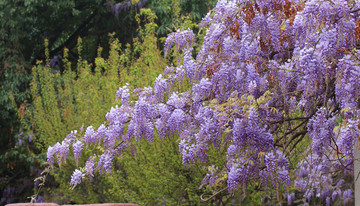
(123, 94)
(177, 120)
(182, 38)
(320, 129)
(277, 169)
(76, 178)
(202, 90)
(160, 86)
(77, 147)
(90, 135)
(50, 154)
(105, 162)
(101, 132)
(90, 166)
(176, 101)
(112, 134)
(70, 137)
(62, 152)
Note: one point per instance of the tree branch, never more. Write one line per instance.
(71, 41)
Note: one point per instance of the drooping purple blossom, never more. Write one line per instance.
(187, 151)
(190, 67)
(105, 162)
(90, 166)
(320, 130)
(277, 169)
(112, 134)
(51, 151)
(347, 195)
(101, 132)
(77, 147)
(62, 152)
(161, 123)
(182, 39)
(290, 198)
(239, 173)
(176, 101)
(76, 178)
(123, 94)
(248, 131)
(160, 87)
(202, 90)
(90, 135)
(346, 89)
(70, 137)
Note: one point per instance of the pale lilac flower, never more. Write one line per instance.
(76, 178)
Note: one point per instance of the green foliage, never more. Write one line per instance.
(27, 23)
(154, 175)
(13, 82)
(144, 59)
(64, 102)
(15, 159)
(169, 12)
(17, 172)
(196, 8)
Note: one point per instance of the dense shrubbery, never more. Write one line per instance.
(66, 100)
(72, 99)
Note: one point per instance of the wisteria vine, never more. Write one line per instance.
(270, 75)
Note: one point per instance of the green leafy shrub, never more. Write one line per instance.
(150, 173)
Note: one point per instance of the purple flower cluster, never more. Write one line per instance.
(160, 87)
(314, 179)
(190, 66)
(346, 89)
(77, 147)
(101, 133)
(76, 178)
(140, 125)
(202, 90)
(346, 140)
(90, 166)
(182, 39)
(320, 130)
(105, 162)
(176, 122)
(249, 132)
(187, 151)
(277, 169)
(123, 94)
(50, 155)
(90, 135)
(61, 151)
